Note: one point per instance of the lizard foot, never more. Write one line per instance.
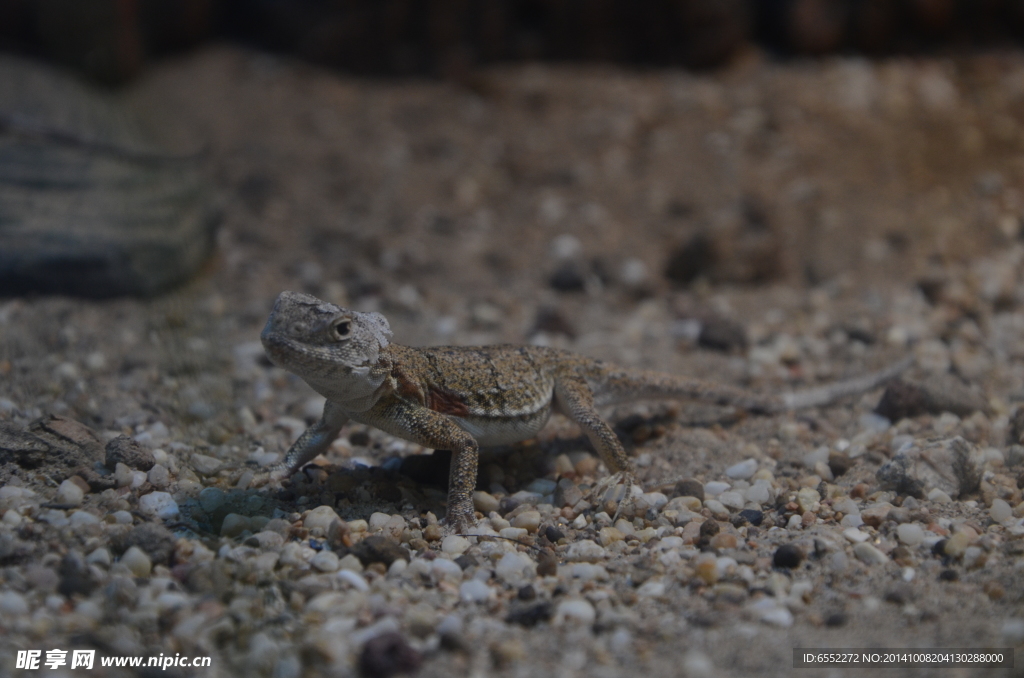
(620, 488)
(458, 520)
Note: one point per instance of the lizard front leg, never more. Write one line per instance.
(315, 440)
(575, 399)
(428, 428)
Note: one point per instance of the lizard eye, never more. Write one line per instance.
(342, 329)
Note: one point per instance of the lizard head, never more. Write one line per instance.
(321, 342)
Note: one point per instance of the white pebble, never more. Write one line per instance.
(588, 572)
(656, 500)
(514, 567)
(731, 499)
(377, 521)
(795, 522)
(742, 470)
(454, 545)
(13, 604)
(758, 493)
(938, 496)
(137, 562)
(575, 611)
(475, 591)
(325, 561)
(585, 550)
(323, 517)
(852, 520)
(70, 494)
(910, 534)
(652, 588)
(514, 533)
(355, 580)
(1013, 631)
(123, 517)
(83, 518)
(528, 520)
(1000, 511)
(869, 555)
(855, 535)
(716, 507)
(158, 505)
(715, 488)
(446, 569)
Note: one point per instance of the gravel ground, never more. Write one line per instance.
(771, 225)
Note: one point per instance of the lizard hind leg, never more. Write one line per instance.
(575, 399)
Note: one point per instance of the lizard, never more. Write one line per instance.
(460, 398)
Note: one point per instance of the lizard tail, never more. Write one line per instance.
(612, 386)
(829, 393)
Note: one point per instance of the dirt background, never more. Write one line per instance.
(838, 212)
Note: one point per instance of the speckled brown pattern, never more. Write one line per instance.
(459, 398)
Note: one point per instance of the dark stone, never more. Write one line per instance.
(752, 516)
(378, 549)
(388, 654)
(1015, 434)
(530, 615)
(551, 321)
(153, 538)
(507, 504)
(466, 561)
(938, 394)
(839, 463)
(788, 556)
(722, 334)
(553, 534)
(75, 577)
(689, 487)
(527, 592)
(691, 259)
(125, 450)
(948, 575)
(568, 278)
(836, 619)
(939, 548)
(900, 593)
(54, 444)
(547, 563)
(91, 207)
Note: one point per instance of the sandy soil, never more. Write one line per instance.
(844, 214)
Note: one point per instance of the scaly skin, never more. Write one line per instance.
(459, 398)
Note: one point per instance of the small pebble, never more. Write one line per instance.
(957, 545)
(689, 487)
(788, 556)
(13, 604)
(137, 562)
(910, 534)
(69, 494)
(742, 470)
(484, 502)
(715, 488)
(325, 561)
(1000, 511)
(475, 591)
(855, 535)
(454, 545)
(869, 555)
(322, 517)
(356, 580)
(732, 499)
(159, 505)
(528, 520)
(575, 612)
(234, 524)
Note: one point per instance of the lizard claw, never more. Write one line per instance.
(608, 489)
